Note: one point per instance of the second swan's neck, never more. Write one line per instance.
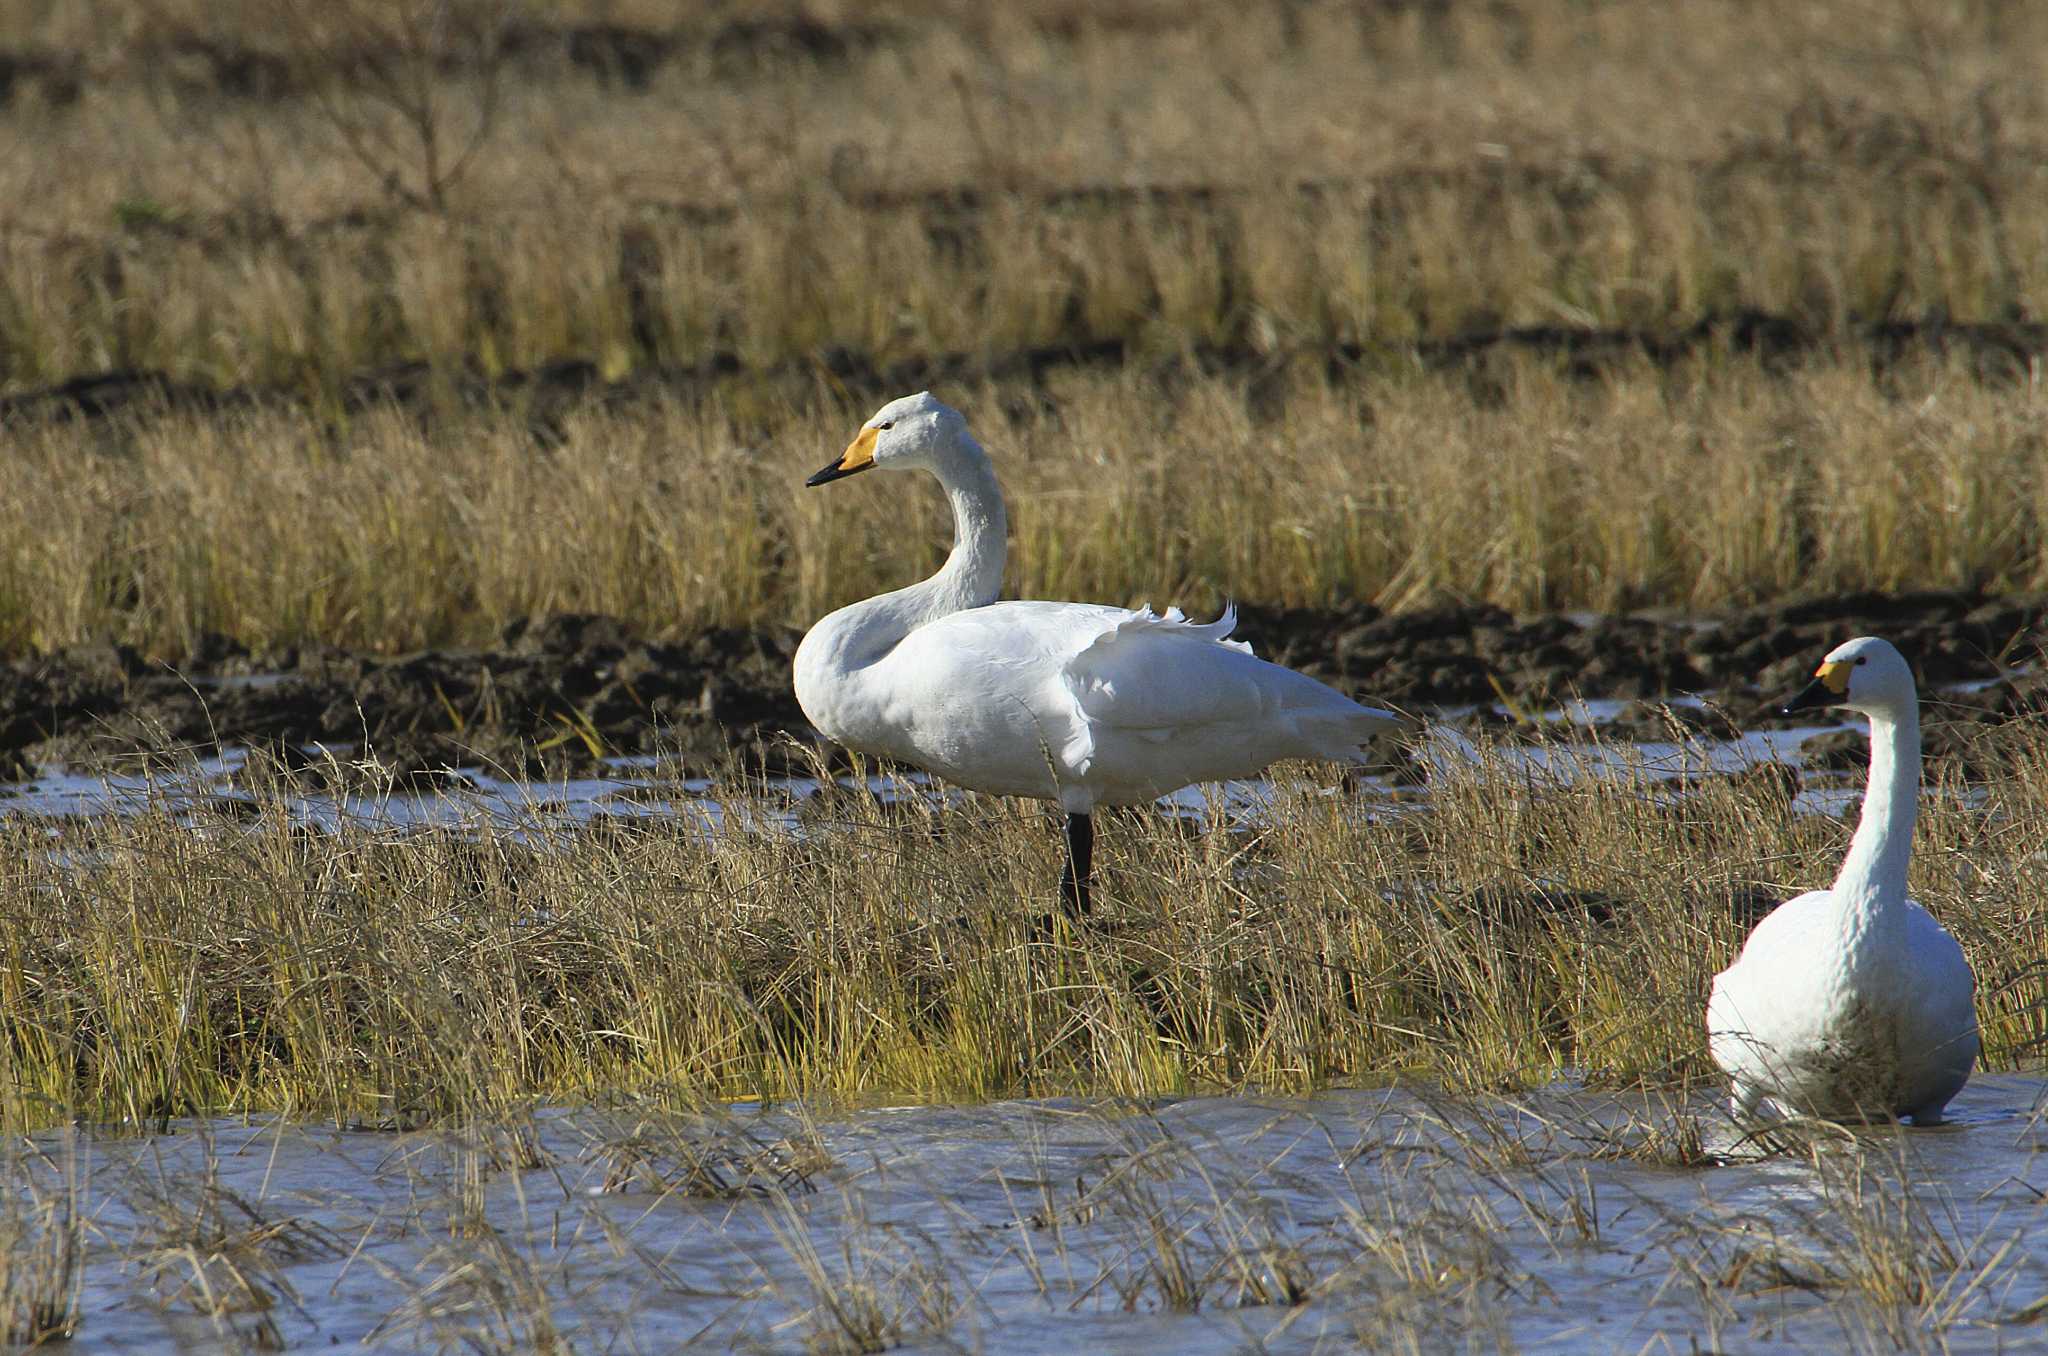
(971, 576)
(1873, 875)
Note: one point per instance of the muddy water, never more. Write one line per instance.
(644, 786)
(480, 799)
(1563, 1221)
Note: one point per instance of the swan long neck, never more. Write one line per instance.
(973, 573)
(972, 576)
(1873, 875)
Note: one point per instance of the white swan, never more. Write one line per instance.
(1071, 702)
(1853, 1002)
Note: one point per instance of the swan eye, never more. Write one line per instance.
(892, 424)
(1861, 659)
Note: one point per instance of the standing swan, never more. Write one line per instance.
(1852, 1002)
(1072, 702)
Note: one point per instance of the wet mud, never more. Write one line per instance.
(545, 394)
(201, 61)
(557, 696)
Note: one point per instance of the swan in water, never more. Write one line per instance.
(1069, 702)
(1853, 1002)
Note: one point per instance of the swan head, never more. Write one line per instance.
(913, 431)
(1865, 674)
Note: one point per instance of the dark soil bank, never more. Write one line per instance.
(558, 694)
(547, 393)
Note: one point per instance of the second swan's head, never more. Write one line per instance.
(1865, 674)
(910, 432)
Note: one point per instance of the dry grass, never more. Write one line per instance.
(1366, 173)
(1872, 1236)
(177, 961)
(1862, 1234)
(202, 1247)
(702, 1152)
(916, 179)
(1712, 484)
(41, 1250)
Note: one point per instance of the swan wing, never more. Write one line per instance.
(979, 696)
(1940, 995)
(1763, 998)
(1076, 668)
(1145, 679)
(1094, 704)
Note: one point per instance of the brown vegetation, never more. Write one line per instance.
(188, 958)
(453, 315)
(1711, 484)
(286, 195)
(704, 244)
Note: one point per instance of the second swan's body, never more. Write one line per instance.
(1853, 1002)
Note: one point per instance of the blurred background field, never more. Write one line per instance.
(293, 193)
(426, 317)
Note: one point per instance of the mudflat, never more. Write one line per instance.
(558, 695)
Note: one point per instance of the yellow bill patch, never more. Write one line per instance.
(860, 452)
(1834, 677)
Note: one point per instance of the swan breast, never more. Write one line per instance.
(1829, 1022)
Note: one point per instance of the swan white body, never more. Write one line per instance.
(1853, 1002)
(1070, 702)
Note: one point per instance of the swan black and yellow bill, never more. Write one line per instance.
(858, 456)
(1830, 684)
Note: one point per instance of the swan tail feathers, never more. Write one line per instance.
(1341, 737)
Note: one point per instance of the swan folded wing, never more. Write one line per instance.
(1130, 670)
(1162, 679)
(1084, 690)
(1778, 1017)
(990, 678)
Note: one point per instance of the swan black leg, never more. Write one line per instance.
(1080, 860)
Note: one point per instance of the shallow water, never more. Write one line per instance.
(638, 788)
(1360, 1218)
(489, 800)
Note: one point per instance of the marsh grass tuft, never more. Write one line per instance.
(185, 959)
(1871, 1233)
(42, 1230)
(1193, 1228)
(704, 1153)
(483, 1292)
(871, 1287)
(203, 1247)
